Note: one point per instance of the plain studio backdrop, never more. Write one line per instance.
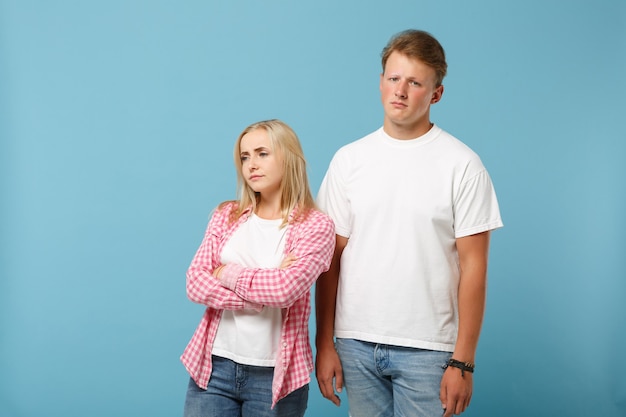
(117, 123)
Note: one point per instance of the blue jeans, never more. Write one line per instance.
(237, 390)
(391, 381)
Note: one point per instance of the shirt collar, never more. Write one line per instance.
(248, 212)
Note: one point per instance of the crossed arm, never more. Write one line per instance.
(235, 287)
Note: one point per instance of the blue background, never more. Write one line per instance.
(117, 122)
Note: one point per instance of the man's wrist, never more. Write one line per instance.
(324, 343)
(463, 366)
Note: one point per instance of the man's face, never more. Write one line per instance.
(407, 89)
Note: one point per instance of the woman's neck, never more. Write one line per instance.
(269, 209)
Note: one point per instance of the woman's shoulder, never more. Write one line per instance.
(225, 211)
(227, 206)
(315, 218)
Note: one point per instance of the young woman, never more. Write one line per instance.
(250, 355)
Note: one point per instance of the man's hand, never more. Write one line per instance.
(456, 391)
(329, 374)
(327, 364)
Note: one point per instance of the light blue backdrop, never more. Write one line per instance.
(117, 120)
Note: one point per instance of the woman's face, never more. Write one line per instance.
(262, 167)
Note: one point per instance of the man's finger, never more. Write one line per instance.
(328, 392)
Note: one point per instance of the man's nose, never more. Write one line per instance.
(401, 89)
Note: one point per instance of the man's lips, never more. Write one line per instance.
(398, 104)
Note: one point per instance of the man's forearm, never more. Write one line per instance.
(326, 299)
(473, 254)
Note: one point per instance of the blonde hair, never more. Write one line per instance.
(295, 191)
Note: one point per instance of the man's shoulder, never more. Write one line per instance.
(362, 143)
(456, 146)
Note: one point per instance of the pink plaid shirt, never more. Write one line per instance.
(312, 241)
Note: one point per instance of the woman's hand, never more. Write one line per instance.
(288, 261)
(217, 271)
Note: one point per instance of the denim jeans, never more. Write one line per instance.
(237, 390)
(391, 381)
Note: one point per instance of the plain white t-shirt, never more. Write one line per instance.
(246, 336)
(403, 204)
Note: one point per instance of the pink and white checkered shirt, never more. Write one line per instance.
(312, 242)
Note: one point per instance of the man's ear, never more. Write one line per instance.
(437, 94)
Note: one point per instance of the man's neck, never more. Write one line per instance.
(402, 132)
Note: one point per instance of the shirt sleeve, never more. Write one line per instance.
(476, 207)
(332, 197)
(202, 286)
(312, 242)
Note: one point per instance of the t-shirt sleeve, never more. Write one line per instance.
(332, 197)
(476, 207)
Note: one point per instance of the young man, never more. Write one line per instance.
(405, 294)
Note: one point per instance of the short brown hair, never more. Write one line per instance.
(420, 45)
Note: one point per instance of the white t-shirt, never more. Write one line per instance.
(250, 337)
(402, 204)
